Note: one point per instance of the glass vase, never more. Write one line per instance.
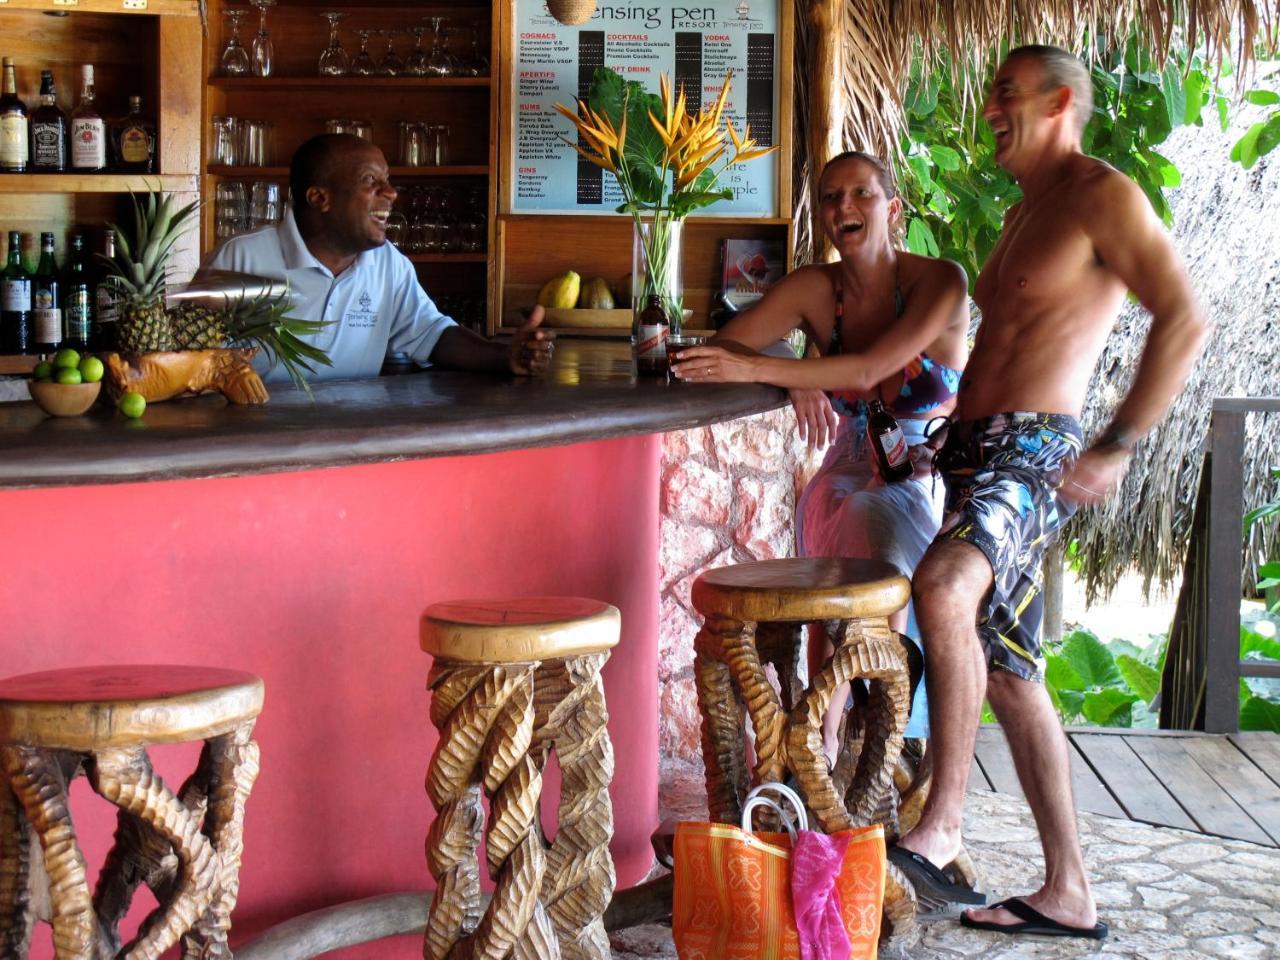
(655, 273)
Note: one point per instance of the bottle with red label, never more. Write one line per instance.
(649, 332)
(889, 444)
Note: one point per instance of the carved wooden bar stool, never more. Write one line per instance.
(186, 846)
(754, 613)
(512, 680)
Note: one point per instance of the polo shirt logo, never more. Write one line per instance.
(361, 314)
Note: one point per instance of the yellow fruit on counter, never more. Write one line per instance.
(561, 291)
(596, 295)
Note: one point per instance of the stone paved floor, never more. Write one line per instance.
(1164, 893)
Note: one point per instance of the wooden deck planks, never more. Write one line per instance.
(1256, 794)
(1212, 808)
(1091, 794)
(1142, 796)
(1263, 749)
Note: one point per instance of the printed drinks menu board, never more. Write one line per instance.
(696, 43)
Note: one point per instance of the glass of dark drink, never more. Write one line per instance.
(676, 343)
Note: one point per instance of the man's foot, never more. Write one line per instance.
(1016, 915)
(929, 880)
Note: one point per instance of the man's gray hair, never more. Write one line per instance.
(1063, 69)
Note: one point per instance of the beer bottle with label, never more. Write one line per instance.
(103, 336)
(649, 332)
(46, 305)
(888, 443)
(15, 301)
(77, 299)
(48, 130)
(14, 145)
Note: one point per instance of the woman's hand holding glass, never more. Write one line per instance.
(711, 364)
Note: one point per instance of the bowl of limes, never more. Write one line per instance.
(67, 385)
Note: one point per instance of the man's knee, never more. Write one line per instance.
(952, 577)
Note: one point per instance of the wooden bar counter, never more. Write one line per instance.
(207, 534)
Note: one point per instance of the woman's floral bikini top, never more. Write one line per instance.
(926, 383)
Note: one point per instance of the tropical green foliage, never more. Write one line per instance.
(1103, 684)
(1260, 635)
(955, 193)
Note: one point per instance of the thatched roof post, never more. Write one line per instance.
(827, 105)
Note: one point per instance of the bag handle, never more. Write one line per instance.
(788, 797)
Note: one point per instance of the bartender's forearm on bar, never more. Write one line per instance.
(461, 349)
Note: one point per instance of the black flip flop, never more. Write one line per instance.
(926, 877)
(1032, 922)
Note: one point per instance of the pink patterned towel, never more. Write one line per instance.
(815, 863)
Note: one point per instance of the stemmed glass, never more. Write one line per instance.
(334, 61)
(477, 64)
(263, 51)
(416, 65)
(439, 64)
(235, 61)
(391, 65)
(363, 64)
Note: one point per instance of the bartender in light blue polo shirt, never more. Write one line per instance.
(331, 249)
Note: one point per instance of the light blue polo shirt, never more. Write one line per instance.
(376, 306)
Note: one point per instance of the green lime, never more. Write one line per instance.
(67, 375)
(132, 404)
(43, 371)
(91, 369)
(66, 359)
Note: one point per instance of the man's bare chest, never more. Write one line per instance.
(1043, 254)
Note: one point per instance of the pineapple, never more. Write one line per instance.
(139, 273)
(259, 321)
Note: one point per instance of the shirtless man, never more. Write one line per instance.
(1049, 293)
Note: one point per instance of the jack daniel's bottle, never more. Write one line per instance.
(889, 444)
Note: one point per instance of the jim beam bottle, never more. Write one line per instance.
(649, 332)
(889, 444)
(88, 131)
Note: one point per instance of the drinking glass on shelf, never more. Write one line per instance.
(231, 208)
(235, 59)
(440, 144)
(263, 51)
(255, 143)
(334, 61)
(413, 143)
(416, 64)
(337, 126)
(225, 142)
(476, 63)
(264, 203)
(390, 65)
(397, 228)
(363, 65)
(361, 128)
(439, 64)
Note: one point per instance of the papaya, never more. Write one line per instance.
(561, 291)
(596, 295)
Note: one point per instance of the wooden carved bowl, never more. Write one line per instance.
(64, 399)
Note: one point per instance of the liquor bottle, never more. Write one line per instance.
(14, 132)
(888, 444)
(649, 331)
(46, 305)
(104, 298)
(15, 300)
(48, 130)
(77, 300)
(133, 141)
(88, 132)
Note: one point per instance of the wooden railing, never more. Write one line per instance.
(1203, 668)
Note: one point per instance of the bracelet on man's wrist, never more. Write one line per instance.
(1117, 437)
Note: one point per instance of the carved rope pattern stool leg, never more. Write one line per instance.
(763, 705)
(17, 918)
(37, 781)
(780, 644)
(723, 737)
(125, 777)
(485, 716)
(580, 875)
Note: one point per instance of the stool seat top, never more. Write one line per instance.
(519, 630)
(91, 708)
(803, 589)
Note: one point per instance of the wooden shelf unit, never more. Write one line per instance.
(531, 248)
(135, 49)
(298, 102)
